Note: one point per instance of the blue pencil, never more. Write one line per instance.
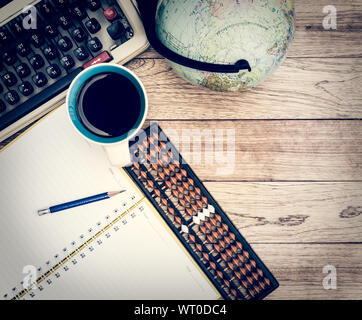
(80, 202)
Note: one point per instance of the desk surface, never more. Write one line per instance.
(296, 193)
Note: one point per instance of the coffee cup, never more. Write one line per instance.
(107, 105)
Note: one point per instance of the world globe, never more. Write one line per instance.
(223, 32)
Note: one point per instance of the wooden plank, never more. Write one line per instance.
(299, 269)
(293, 212)
(312, 40)
(310, 13)
(312, 43)
(326, 44)
(302, 150)
(300, 89)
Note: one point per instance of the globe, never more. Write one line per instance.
(225, 31)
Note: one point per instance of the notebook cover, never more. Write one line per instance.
(196, 218)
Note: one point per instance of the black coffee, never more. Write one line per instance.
(108, 105)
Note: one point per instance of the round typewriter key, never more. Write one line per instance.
(47, 10)
(9, 57)
(50, 52)
(26, 88)
(93, 5)
(9, 79)
(116, 29)
(67, 62)
(81, 53)
(23, 49)
(93, 25)
(54, 71)
(12, 97)
(40, 80)
(36, 39)
(22, 70)
(78, 12)
(79, 35)
(50, 31)
(65, 44)
(65, 21)
(94, 44)
(110, 13)
(5, 36)
(16, 27)
(37, 61)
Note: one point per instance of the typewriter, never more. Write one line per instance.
(45, 44)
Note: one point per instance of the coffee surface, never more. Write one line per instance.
(108, 105)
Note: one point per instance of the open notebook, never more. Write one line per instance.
(119, 248)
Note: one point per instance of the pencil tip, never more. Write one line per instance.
(114, 193)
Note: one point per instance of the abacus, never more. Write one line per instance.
(197, 220)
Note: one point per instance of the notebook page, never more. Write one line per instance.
(136, 258)
(153, 267)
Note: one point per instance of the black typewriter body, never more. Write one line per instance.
(39, 57)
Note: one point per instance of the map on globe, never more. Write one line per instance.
(225, 31)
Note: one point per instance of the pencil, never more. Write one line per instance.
(80, 202)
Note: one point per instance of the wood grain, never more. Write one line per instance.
(306, 86)
(305, 221)
(302, 150)
(297, 212)
(296, 227)
(312, 40)
(299, 89)
(310, 13)
(299, 269)
(295, 192)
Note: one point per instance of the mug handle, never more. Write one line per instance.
(119, 154)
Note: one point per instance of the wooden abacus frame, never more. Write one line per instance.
(197, 220)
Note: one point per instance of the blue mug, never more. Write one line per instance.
(117, 148)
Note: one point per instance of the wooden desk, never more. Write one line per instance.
(296, 192)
